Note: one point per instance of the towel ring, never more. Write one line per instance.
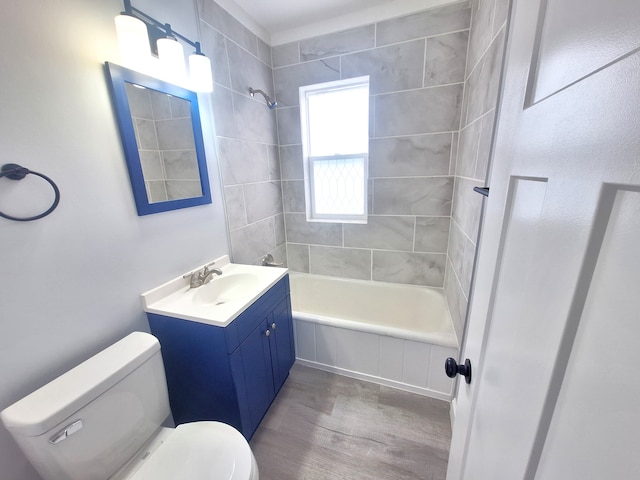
(16, 172)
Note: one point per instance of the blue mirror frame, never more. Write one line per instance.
(118, 78)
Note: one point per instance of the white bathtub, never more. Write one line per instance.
(395, 335)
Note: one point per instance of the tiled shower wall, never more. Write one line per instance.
(246, 135)
(416, 65)
(484, 63)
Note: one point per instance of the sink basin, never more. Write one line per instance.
(218, 302)
(226, 288)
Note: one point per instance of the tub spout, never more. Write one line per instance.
(268, 261)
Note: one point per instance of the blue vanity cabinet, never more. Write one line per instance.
(229, 374)
(282, 352)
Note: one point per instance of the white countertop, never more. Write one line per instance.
(213, 303)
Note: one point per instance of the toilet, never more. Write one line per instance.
(104, 420)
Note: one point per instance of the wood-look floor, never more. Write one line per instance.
(323, 426)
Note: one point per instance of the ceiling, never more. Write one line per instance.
(283, 21)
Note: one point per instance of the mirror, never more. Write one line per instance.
(162, 138)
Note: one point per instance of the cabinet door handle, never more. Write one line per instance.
(273, 326)
(268, 332)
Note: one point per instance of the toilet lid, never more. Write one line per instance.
(199, 451)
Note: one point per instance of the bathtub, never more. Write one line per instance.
(391, 334)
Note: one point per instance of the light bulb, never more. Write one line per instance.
(200, 73)
(171, 55)
(134, 41)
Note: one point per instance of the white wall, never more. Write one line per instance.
(70, 282)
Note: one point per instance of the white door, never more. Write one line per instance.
(554, 319)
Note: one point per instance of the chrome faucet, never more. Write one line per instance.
(202, 276)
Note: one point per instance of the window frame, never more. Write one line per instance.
(308, 160)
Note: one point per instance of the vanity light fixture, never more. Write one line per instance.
(137, 32)
(171, 56)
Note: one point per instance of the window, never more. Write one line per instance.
(335, 149)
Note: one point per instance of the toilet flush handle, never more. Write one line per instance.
(65, 432)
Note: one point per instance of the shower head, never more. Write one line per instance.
(270, 102)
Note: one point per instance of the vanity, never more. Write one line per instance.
(227, 346)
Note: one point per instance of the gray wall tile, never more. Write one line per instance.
(405, 152)
(279, 228)
(467, 266)
(339, 43)
(298, 257)
(293, 196)
(221, 20)
(446, 59)
(264, 52)
(432, 234)
(319, 233)
(291, 162)
(289, 125)
(427, 110)
(254, 121)
(288, 79)
(247, 71)
(454, 152)
(393, 68)
(235, 207)
(389, 233)
(435, 21)
(412, 268)
(215, 48)
(468, 150)
(340, 262)
(250, 243)
(413, 196)
(457, 244)
(481, 90)
(246, 136)
(481, 30)
(456, 301)
(242, 162)
(223, 116)
(263, 200)
(411, 156)
(480, 97)
(467, 206)
(274, 162)
(484, 146)
(286, 54)
(500, 15)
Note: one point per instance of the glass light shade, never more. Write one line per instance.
(171, 55)
(200, 73)
(134, 41)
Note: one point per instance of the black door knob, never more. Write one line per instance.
(452, 369)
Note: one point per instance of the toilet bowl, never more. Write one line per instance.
(104, 420)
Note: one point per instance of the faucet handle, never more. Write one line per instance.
(198, 272)
(205, 269)
(268, 261)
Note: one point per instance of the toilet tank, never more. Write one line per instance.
(87, 423)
